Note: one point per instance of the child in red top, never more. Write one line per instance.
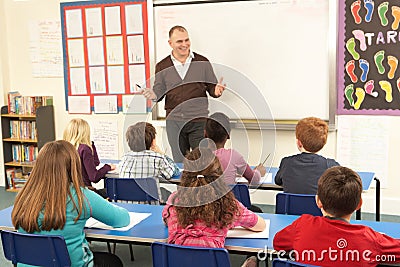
(331, 240)
(203, 209)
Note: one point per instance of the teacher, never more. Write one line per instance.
(184, 78)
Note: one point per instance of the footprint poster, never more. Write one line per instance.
(368, 57)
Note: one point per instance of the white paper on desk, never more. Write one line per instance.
(241, 180)
(116, 170)
(136, 217)
(267, 178)
(240, 232)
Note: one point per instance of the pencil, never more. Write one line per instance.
(265, 160)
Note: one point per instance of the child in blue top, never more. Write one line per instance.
(54, 201)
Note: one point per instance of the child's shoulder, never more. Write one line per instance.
(227, 151)
(307, 156)
(84, 148)
(143, 153)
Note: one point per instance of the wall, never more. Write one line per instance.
(15, 74)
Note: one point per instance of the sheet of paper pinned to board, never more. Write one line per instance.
(105, 104)
(135, 218)
(105, 136)
(134, 104)
(240, 232)
(79, 104)
(363, 144)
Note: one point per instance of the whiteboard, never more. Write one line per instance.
(272, 54)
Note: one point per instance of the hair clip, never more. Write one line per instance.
(200, 176)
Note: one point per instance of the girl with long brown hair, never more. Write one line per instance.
(203, 209)
(54, 201)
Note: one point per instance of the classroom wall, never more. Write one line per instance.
(2, 81)
(15, 74)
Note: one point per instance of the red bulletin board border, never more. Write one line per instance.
(103, 4)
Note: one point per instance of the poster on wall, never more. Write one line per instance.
(368, 79)
(45, 48)
(106, 51)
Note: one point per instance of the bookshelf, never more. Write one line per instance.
(23, 136)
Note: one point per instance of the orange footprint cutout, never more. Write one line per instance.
(387, 87)
(396, 15)
(350, 67)
(393, 63)
(360, 94)
(355, 8)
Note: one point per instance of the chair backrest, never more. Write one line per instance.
(33, 249)
(287, 263)
(296, 204)
(170, 255)
(132, 189)
(241, 192)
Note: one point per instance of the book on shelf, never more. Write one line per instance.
(11, 101)
(10, 174)
(26, 105)
(23, 129)
(19, 179)
(24, 153)
(16, 179)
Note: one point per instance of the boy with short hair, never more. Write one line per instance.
(145, 158)
(299, 174)
(331, 240)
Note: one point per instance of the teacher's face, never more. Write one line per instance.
(180, 44)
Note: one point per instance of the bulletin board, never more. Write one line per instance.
(106, 54)
(368, 57)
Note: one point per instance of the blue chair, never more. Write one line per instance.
(287, 263)
(241, 192)
(170, 255)
(296, 204)
(33, 249)
(132, 189)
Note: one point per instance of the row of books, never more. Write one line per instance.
(26, 105)
(24, 153)
(15, 178)
(23, 129)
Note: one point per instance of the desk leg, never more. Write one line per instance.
(358, 214)
(378, 199)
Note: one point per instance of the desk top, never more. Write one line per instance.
(153, 229)
(147, 231)
(268, 185)
(366, 177)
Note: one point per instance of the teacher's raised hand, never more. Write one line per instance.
(219, 88)
(149, 94)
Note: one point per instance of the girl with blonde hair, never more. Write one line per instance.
(77, 133)
(54, 201)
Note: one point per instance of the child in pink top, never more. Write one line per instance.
(203, 209)
(218, 130)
